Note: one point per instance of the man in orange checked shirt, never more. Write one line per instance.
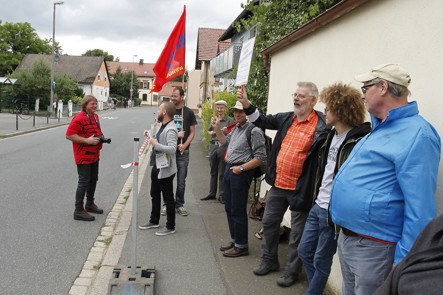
(291, 171)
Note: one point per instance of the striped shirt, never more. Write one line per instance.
(294, 150)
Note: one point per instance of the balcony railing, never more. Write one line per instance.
(226, 61)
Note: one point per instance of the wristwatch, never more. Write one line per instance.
(241, 168)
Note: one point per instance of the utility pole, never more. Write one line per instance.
(53, 58)
(132, 80)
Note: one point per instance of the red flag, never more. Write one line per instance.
(171, 62)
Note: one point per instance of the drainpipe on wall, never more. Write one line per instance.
(205, 87)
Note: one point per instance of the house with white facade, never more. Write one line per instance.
(145, 76)
(90, 72)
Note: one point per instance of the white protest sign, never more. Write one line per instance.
(244, 63)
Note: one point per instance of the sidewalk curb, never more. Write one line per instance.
(106, 251)
(31, 130)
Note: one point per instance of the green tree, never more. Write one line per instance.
(16, 40)
(275, 20)
(181, 78)
(99, 52)
(121, 83)
(66, 88)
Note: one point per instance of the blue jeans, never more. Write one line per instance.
(365, 264)
(317, 248)
(182, 172)
(236, 200)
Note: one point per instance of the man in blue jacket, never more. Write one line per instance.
(383, 195)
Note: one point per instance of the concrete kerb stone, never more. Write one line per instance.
(82, 282)
(105, 253)
(31, 130)
(78, 290)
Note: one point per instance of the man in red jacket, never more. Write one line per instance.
(85, 133)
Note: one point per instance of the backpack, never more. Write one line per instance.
(421, 271)
(260, 170)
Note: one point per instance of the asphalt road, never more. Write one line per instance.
(42, 248)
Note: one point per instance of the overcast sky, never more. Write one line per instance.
(122, 28)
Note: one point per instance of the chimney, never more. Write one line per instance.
(140, 62)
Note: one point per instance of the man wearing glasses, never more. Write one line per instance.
(383, 196)
(291, 174)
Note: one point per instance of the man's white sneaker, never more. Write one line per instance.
(163, 212)
(182, 211)
(148, 226)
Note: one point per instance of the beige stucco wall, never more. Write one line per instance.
(147, 92)
(193, 88)
(407, 32)
(101, 87)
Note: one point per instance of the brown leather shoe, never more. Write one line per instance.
(226, 247)
(236, 252)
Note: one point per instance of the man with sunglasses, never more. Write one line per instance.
(383, 195)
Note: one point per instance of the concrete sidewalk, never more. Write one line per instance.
(12, 124)
(189, 261)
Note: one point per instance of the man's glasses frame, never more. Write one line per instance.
(365, 87)
(295, 94)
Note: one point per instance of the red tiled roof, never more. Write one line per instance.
(223, 45)
(169, 86)
(207, 43)
(144, 70)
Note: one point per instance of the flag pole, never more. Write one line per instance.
(213, 103)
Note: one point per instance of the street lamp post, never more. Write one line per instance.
(53, 58)
(132, 81)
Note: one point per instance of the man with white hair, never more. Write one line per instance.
(291, 173)
(217, 154)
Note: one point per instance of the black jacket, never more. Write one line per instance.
(353, 136)
(302, 199)
(421, 271)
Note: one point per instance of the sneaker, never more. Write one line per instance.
(163, 212)
(148, 226)
(182, 211)
(92, 208)
(165, 231)
(83, 215)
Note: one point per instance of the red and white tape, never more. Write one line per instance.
(143, 147)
